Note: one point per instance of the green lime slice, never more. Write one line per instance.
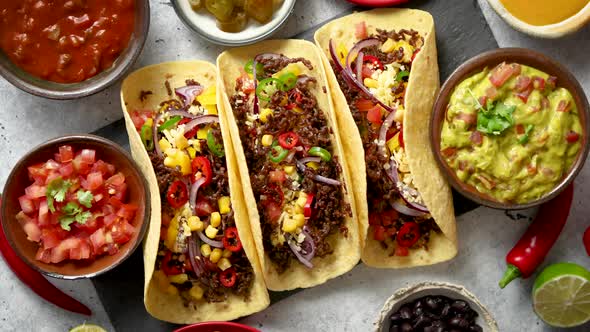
(88, 328)
(561, 295)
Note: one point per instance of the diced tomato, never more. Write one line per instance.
(203, 208)
(524, 95)
(519, 129)
(121, 192)
(103, 167)
(94, 181)
(88, 156)
(38, 173)
(476, 137)
(379, 233)
(563, 106)
(80, 166)
(34, 191)
(66, 154)
(33, 231)
(401, 251)
(245, 83)
(272, 211)
(374, 219)
(91, 225)
(277, 176)
(62, 251)
(389, 217)
(491, 94)
(367, 72)
(127, 211)
(502, 73)
(364, 105)
(43, 255)
(26, 204)
(122, 232)
(374, 115)
(66, 170)
(538, 83)
(98, 240)
(523, 83)
(449, 152)
(52, 165)
(572, 137)
(43, 213)
(468, 118)
(110, 219)
(139, 116)
(551, 82)
(360, 30)
(115, 180)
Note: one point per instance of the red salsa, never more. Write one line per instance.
(76, 207)
(65, 41)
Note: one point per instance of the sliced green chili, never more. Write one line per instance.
(277, 154)
(259, 68)
(289, 80)
(267, 87)
(401, 75)
(324, 154)
(169, 123)
(214, 147)
(147, 137)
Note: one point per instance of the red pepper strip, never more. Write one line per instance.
(231, 240)
(533, 246)
(37, 282)
(228, 277)
(586, 240)
(307, 208)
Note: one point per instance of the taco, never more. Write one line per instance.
(291, 162)
(383, 75)
(199, 258)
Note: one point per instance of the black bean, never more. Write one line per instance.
(433, 329)
(405, 312)
(439, 323)
(394, 328)
(432, 303)
(460, 306)
(421, 322)
(419, 311)
(459, 322)
(406, 327)
(446, 310)
(475, 328)
(418, 304)
(395, 318)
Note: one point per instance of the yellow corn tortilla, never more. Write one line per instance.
(420, 95)
(346, 250)
(158, 303)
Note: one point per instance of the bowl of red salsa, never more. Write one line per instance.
(65, 49)
(75, 206)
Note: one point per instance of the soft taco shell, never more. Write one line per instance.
(420, 95)
(159, 304)
(346, 250)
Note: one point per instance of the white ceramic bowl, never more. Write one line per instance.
(411, 293)
(570, 25)
(204, 23)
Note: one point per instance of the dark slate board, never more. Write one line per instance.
(462, 32)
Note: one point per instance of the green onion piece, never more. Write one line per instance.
(401, 75)
(169, 123)
(525, 137)
(324, 154)
(289, 81)
(267, 87)
(277, 154)
(214, 147)
(147, 137)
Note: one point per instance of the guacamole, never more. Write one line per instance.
(511, 133)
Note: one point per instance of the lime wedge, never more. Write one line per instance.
(88, 328)
(561, 295)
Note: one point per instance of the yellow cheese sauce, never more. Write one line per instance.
(543, 12)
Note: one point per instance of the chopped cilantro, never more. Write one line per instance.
(85, 198)
(525, 137)
(56, 190)
(73, 213)
(71, 208)
(65, 222)
(82, 217)
(493, 119)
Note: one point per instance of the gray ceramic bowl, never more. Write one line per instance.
(53, 90)
(138, 193)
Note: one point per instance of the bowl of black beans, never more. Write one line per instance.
(434, 307)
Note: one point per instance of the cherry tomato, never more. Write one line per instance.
(408, 234)
(191, 133)
(228, 277)
(177, 194)
(231, 240)
(288, 140)
(201, 165)
(169, 267)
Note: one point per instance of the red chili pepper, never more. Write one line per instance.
(191, 133)
(586, 240)
(408, 234)
(288, 140)
(177, 194)
(533, 246)
(374, 61)
(202, 165)
(37, 282)
(307, 208)
(228, 277)
(231, 240)
(168, 266)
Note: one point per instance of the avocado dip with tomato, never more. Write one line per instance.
(511, 132)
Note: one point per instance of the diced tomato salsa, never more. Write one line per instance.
(76, 207)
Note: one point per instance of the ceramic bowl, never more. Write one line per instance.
(204, 24)
(490, 60)
(456, 292)
(138, 193)
(53, 90)
(565, 27)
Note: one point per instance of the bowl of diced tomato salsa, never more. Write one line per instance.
(75, 206)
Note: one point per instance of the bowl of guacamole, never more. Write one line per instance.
(510, 128)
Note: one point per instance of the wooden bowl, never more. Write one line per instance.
(18, 180)
(556, 30)
(456, 292)
(491, 59)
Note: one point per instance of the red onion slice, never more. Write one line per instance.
(202, 119)
(402, 188)
(335, 57)
(383, 132)
(359, 65)
(188, 93)
(211, 242)
(155, 133)
(403, 209)
(308, 247)
(294, 249)
(328, 181)
(193, 193)
(353, 53)
(256, 106)
(194, 256)
(301, 162)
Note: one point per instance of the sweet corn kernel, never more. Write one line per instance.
(192, 152)
(164, 144)
(184, 162)
(408, 50)
(297, 209)
(302, 199)
(399, 115)
(266, 140)
(387, 46)
(293, 68)
(289, 169)
(181, 142)
(224, 264)
(371, 83)
(215, 219)
(179, 278)
(195, 224)
(171, 234)
(169, 162)
(149, 122)
(289, 209)
(202, 133)
(264, 114)
(342, 53)
(289, 225)
(226, 253)
(209, 96)
(313, 165)
(297, 109)
(205, 250)
(196, 292)
(224, 203)
(215, 255)
(211, 109)
(211, 232)
(172, 290)
(393, 142)
(299, 219)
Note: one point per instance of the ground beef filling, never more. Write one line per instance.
(219, 186)
(381, 191)
(312, 128)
